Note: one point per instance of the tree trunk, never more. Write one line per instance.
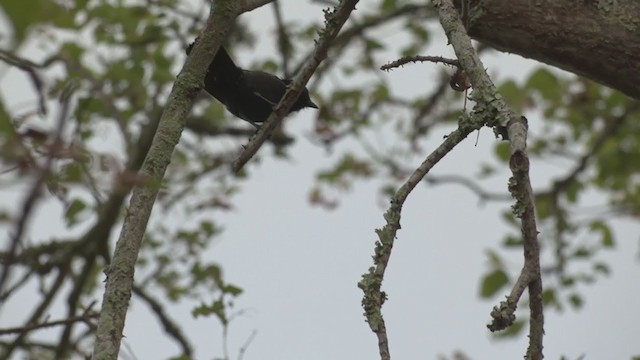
(596, 39)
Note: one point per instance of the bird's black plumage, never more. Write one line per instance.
(249, 95)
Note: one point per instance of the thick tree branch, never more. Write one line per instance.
(595, 39)
(121, 271)
(520, 187)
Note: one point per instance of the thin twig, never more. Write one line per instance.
(170, 326)
(34, 193)
(47, 324)
(29, 67)
(371, 282)
(418, 58)
(284, 44)
(245, 346)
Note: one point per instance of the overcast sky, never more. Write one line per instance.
(299, 265)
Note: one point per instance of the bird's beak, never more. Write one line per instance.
(311, 104)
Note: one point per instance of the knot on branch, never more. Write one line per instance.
(503, 316)
(519, 162)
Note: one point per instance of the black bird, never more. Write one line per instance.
(249, 95)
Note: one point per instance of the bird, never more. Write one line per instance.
(248, 94)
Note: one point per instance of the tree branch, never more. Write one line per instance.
(490, 109)
(371, 282)
(170, 327)
(86, 317)
(519, 184)
(34, 193)
(333, 23)
(596, 41)
(121, 271)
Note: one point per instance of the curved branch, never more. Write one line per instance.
(170, 327)
(519, 184)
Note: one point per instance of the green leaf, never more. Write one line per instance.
(494, 258)
(605, 231)
(549, 298)
(573, 190)
(546, 83)
(582, 253)
(372, 44)
(508, 217)
(512, 331)
(511, 241)
(502, 151)
(232, 290)
(181, 357)
(75, 208)
(493, 282)
(381, 92)
(24, 14)
(513, 95)
(576, 301)
(418, 30)
(216, 308)
(201, 273)
(568, 281)
(388, 5)
(602, 268)
(72, 172)
(6, 128)
(545, 206)
(348, 165)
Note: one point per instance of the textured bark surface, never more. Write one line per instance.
(597, 39)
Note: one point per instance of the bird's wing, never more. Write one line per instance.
(265, 86)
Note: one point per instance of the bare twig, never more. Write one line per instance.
(30, 67)
(47, 298)
(371, 281)
(34, 193)
(483, 194)
(246, 344)
(47, 324)
(412, 59)
(170, 327)
(284, 44)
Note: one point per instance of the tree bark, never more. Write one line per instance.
(597, 39)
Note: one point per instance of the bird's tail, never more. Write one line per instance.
(222, 64)
(223, 61)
